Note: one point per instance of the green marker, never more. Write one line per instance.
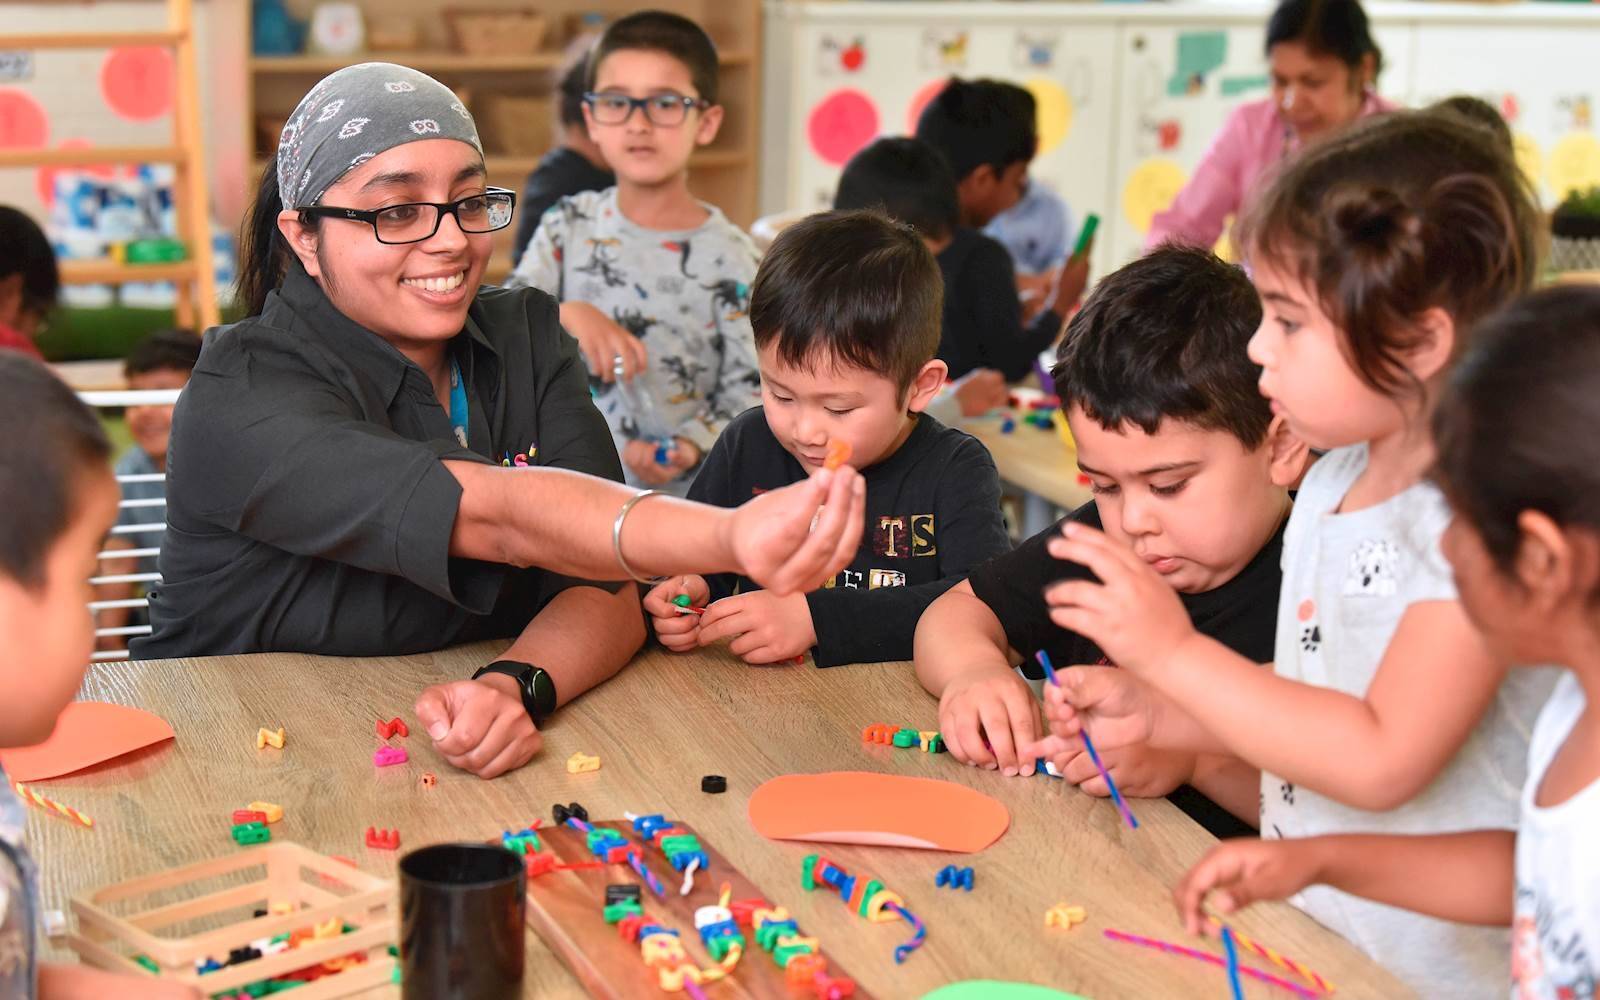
(1086, 235)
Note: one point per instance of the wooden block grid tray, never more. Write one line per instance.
(180, 917)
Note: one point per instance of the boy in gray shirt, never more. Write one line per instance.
(655, 285)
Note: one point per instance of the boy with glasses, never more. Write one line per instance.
(654, 284)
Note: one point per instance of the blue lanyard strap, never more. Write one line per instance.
(458, 403)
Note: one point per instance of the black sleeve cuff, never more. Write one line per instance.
(422, 546)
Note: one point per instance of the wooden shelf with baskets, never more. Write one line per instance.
(510, 89)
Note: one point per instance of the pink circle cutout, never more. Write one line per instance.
(23, 123)
(920, 100)
(137, 82)
(841, 124)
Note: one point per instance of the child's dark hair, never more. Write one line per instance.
(163, 350)
(977, 122)
(850, 289)
(1335, 28)
(1398, 214)
(1164, 338)
(47, 439)
(570, 90)
(1510, 427)
(1477, 111)
(908, 180)
(27, 252)
(660, 31)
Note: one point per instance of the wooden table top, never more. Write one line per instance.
(658, 727)
(1033, 459)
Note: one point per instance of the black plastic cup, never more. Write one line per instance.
(461, 923)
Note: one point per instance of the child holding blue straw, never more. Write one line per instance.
(1520, 465)
(1376, 253)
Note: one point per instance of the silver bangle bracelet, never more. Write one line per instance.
(616, 538)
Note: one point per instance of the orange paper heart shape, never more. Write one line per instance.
(86, 734)
(884, 810)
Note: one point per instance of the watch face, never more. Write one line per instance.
(544, 692)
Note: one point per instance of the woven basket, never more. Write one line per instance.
(496, 32)
(514, 125)
(393, 33)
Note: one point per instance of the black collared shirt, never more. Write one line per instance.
(308, 508)
(983, 325)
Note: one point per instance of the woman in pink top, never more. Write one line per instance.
(1324, 63)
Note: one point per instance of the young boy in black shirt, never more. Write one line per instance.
(845, 310)
(1189, 467)
(986, 132)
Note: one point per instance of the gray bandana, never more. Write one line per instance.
(356, 113)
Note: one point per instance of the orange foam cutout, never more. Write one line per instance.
(87, 733)
(884, 810)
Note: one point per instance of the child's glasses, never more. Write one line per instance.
(665, 110)
(416, 221)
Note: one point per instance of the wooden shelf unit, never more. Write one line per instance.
(723, 174)
(197, 304)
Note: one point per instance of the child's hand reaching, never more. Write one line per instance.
(1139, 771)
(1132, 614)
(602, 342)
(640, 456)
(764, 628)
(1241, 872)
(986, 717)
(679, 632)
(1120, 709)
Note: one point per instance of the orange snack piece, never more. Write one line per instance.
(838, 454)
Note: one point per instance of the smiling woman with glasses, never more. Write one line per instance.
(386, 457)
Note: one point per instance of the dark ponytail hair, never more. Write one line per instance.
(263, 252)
(1400, 213)
(1515, 427)
(1335, 28)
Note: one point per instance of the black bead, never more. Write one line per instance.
(578, 811)
(559, 813)
(716, 784)
(618, 892)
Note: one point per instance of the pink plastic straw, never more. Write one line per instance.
(1206, 956)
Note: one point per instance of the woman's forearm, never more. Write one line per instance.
(561, 521)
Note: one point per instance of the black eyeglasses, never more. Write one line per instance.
(665, 110)
(416, 221)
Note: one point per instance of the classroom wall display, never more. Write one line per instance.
(1130, 96)
(827, 111)
(1545, 90)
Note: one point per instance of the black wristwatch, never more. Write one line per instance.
(537, 687)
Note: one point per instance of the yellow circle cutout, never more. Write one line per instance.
(1149, 189)
(1054, 111)
(1574, 164)
(1530, 158)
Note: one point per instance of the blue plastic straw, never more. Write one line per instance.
(1233, 963)
(1088, 744)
